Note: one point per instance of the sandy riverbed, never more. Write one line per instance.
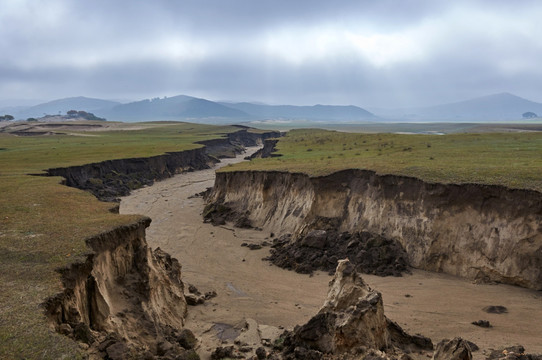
(435, 305)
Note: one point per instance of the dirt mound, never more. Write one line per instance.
(320, 250)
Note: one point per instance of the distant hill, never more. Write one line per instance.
(184, 107)
(190, 108)
(315, 112)
(495, 107)
(172, 108)
(62, 106)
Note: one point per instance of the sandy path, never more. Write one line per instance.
(435, 305)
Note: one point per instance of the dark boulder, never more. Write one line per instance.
(482, 323)
(495, 309)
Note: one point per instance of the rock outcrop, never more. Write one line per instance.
(350, 323)
(455, 349)
(123, 293)
(482, 232)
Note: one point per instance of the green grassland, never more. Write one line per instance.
(43, 224)
(509, 159)
(33, 154)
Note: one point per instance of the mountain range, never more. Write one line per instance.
(315, 112)
(173, 108)
(496, 107)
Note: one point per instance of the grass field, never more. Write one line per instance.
(43, 225)
(509, 159)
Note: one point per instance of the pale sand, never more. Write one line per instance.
(438, 306)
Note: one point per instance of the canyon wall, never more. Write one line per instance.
(480, 232)
(122, 288)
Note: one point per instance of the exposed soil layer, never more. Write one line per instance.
(269, 147)
(123, 295)
(235, 143)
(481, 232)
(320, 250)
(111, 179)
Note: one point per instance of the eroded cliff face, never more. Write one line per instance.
(107, 180)
(487, 233)
(234, 143)
(123, 290)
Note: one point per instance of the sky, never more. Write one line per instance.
(369, 53)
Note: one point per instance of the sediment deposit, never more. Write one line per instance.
(481, 232)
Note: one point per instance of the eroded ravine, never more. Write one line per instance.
(436, 305)
(212, 258)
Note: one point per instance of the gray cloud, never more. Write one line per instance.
(367, 53)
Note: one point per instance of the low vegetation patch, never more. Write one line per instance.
(508, 159)
(43, 225)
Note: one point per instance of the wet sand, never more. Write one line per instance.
(435, 305)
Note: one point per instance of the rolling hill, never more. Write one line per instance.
(63, 105)
(179, 107)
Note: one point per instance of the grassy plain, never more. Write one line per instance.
(43, 225)
(512, 159)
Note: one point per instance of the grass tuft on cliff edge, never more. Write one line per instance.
(43, 225)
(513, 160)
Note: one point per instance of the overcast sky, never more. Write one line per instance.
(365, 52)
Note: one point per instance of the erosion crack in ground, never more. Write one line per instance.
(436, 305)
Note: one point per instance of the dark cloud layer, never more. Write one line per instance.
(367, 53)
